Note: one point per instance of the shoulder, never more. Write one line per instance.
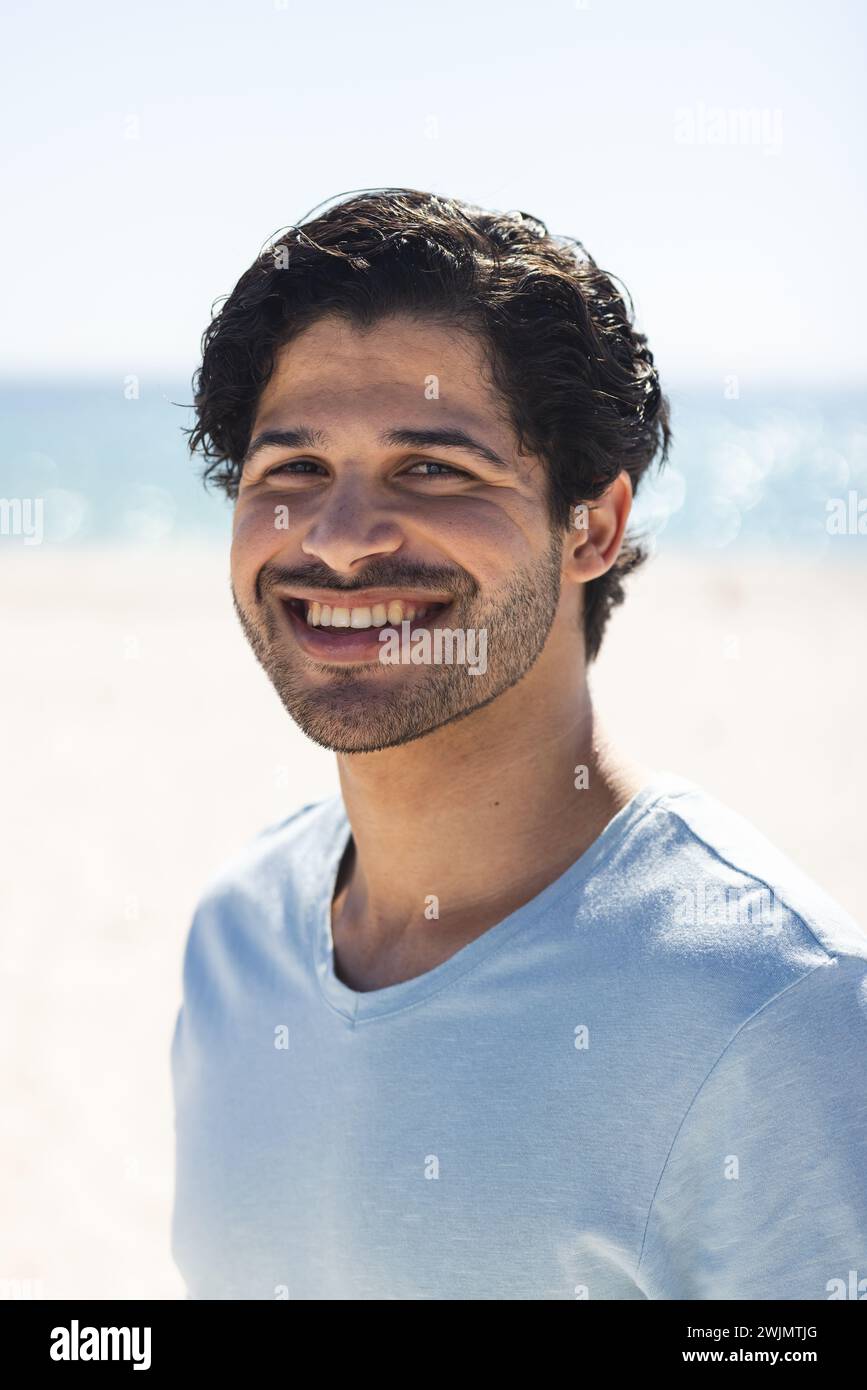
(787, 959)
(263, 890)
(282, 853)
(736, 947)
(715, 881)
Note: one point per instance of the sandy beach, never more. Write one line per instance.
(143, 745)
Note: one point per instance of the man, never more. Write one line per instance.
(509, 1018)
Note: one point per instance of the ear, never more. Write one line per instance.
(597, 531)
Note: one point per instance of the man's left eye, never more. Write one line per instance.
(445, 468)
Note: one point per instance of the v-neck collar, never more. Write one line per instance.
(358, 1006)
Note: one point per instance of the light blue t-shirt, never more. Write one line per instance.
(648, 1082)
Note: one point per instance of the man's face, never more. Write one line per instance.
(363, 499)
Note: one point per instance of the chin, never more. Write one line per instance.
(356, 719)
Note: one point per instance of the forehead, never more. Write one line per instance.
(335, 373)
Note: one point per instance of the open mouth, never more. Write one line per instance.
(339, 619)
(354, 633)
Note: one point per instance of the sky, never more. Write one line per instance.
(711, 156)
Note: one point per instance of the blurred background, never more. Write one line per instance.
(709, 156)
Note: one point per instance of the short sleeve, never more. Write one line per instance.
(764, 1191)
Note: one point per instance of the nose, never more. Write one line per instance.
(351, 527)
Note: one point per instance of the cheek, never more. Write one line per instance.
(255, 538)
(488, 538)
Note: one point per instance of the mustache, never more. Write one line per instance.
(377, 575)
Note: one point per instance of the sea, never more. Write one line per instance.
(782, 470)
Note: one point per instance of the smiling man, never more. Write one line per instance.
(509, 1017)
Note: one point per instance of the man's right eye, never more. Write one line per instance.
(289, 468)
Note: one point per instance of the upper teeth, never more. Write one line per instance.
(324, 615)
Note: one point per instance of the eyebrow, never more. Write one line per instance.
(303, 437)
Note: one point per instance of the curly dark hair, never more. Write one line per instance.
(577, 380)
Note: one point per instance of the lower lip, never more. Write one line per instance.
(356, 646)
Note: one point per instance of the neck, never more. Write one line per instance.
(483, 813)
